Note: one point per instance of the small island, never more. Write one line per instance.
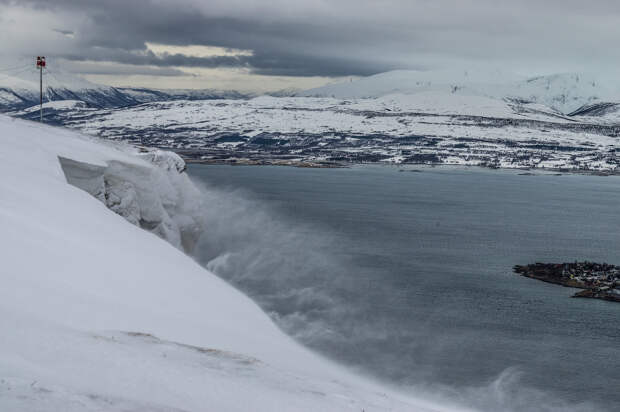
(599, 280)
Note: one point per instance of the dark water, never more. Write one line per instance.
(407, 276)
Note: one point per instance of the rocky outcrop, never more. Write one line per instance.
(153, 193)
(606, 294)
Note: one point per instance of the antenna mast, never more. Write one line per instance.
(40, 66)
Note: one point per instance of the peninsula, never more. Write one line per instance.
(598, 280)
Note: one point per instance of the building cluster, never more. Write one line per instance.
(600, 276)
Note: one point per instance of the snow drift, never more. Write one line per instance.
(99, 314)
(160, 199)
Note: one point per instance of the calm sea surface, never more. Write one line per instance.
(407, 275)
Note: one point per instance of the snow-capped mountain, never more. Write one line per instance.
(409, 82)
(19, 90)
(563, 92)
(566, 93)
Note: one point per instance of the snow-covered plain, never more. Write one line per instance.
(100, 315)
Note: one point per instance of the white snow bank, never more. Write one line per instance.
(98, 314)
(160, 199)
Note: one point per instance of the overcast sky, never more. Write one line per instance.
(274, 44)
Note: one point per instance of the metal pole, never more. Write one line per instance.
(41, 89)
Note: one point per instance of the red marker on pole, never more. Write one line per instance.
(40, 66)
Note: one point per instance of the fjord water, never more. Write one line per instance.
(407, 275)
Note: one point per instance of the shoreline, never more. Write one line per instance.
(405, 167)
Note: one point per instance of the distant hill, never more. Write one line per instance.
(563, 92)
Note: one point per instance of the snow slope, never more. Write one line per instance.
(100, 315)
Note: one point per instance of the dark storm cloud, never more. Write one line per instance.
(279, 48)
(118, 30)
(308, 38)
(259, 63)
(163, 60)
(90, 67)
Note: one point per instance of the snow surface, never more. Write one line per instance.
(100, 315)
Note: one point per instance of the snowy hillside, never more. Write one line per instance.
(101, 315)
(563, 92)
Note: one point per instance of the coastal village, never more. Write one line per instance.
(599, 280)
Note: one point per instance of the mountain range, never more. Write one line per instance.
(566, 93)
(21, 90)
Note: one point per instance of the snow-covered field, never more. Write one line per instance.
(101, 315)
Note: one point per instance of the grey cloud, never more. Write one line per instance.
(164, 60)
(93, 67)
(343, 38)
(259, 63)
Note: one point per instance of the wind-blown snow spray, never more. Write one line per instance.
(326, 302)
